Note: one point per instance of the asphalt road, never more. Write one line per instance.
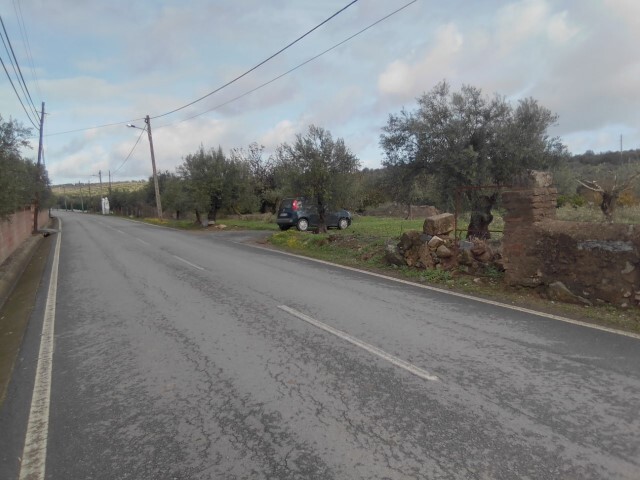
(197, 356)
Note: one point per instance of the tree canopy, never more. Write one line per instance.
(466, 139)
(318, 167)
(19, 177)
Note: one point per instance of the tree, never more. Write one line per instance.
(466, 139)
(610, 192)
(262, 173)
(20, 179)
(317, 167)
(215, 182)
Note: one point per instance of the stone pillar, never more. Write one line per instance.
(524, 207)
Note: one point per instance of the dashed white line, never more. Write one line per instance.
(398, 362)
(188, 262)
(142, 241)
(34, 454)
(455, 294)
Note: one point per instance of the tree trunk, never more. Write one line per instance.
(481, 217)
(322, 222)
(608, 205)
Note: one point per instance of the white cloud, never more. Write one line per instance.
(405, 80)
(284, 131)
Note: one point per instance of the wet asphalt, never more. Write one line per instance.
(174, 360)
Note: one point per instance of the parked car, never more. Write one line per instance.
(303, 214)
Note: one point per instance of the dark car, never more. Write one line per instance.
(303, 214)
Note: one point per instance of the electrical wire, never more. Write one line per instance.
(293, 69)
(18, 72)
(130, 153)
(94, 127)
(17, 95)
(27, 44)
(257, 66)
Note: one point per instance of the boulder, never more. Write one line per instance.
(443, 252)
(558, 291)
(442, 224)
(392, 255)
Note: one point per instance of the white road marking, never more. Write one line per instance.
(398, 362)
(188, 262)
(34, 455)
(456, 294)
(142, 241)
(118, 230)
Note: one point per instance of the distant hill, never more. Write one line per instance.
(73, 189)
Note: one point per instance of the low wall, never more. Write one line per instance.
(17, 229)
(596, 262)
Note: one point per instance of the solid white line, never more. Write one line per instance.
(34, 455)
(142, 241)
(456, 294)
(398, 362)
(188, 263)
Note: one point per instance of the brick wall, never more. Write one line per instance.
(598, 262)
(17, 229)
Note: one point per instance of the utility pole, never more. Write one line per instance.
(89, 202)
(147, 120)
(81, 200)
(38, 175)
(109, 183)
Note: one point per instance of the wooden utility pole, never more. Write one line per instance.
(147, 120)
(36, 209)
(109, 183)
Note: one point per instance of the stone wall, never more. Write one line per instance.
(588, 262)
(17, 229)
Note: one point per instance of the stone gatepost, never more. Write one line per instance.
(524, 207)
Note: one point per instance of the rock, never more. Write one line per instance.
(465, 245)
(443, 252)
(486, 257)
(408, 239)
(393, 256)
(442, 224)
(540, 179)
(558, 291)
(628, 268)
(435, 242)
(465, 258)
(424, 255)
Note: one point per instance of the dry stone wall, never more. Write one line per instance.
(579, 262)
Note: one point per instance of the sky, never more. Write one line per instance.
(96, 62)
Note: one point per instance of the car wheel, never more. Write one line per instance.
(284, 227)
(302, 225)
(343, 223)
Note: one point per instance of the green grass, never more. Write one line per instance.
(593, 214)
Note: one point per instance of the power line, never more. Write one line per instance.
(27, 44)
(258, 65)
(18, 73)
(294, 68)
(130, 153)
(94, 127)
(216, 90)
(17, 95)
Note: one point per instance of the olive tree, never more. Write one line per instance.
(467, 139)
(318, 167)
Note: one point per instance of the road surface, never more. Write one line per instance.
(197, 356)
